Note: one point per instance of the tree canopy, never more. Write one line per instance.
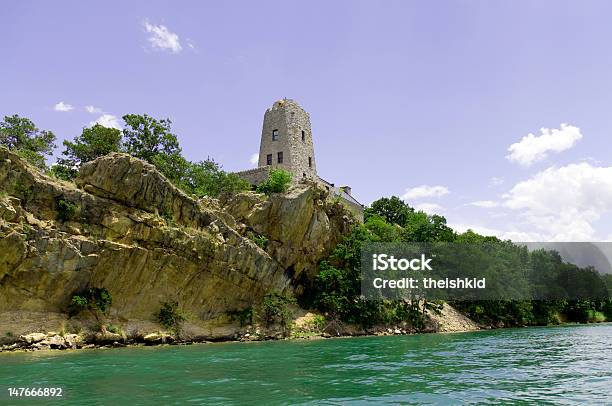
(21, 135)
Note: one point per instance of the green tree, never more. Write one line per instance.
(146, 137)
(153, 141)
(421, 227)
(392, 209)
(206, 178)
(93, 142)
(21, 135)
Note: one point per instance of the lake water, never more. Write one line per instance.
(570, 364)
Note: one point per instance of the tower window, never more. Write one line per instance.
(310, 162)
(274, 135)
(269, 159)
(303, 135)
(279, 157)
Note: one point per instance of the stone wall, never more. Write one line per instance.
(255, 176)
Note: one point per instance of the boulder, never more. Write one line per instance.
(33, 337)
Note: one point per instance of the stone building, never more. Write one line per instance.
(286, 142)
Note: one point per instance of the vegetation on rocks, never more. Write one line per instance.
(171, 317)
(95, 300)
(278, 182)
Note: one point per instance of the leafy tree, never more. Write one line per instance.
(174, 167)
(146, 137)
(381, 230)
(206, 178)
(278, 182)
(153, 141)
(392, 209)
(21, 135)
(421, 227)
(93, 142)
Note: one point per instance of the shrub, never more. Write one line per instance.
(319, 323)
(244, 316)
(170, 316)
(260, 240)
(278, 182)
(207, 178)
(276, 309)
(111, 328)
(95, 300)
(65, 210)
(62, 172)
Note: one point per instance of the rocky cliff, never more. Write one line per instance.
(124, 227)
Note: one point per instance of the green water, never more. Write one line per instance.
(538, 365)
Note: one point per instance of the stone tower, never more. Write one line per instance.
(286, 140)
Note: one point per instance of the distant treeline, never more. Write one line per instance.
(565, 291)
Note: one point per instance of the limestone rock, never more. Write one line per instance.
(33, 338)
(301, 226)
(158, 338)
(107, 337)
(131, 231)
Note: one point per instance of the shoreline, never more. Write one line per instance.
(24, 347)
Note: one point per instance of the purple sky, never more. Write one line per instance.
(401, 94)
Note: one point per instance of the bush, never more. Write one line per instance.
(62, 172)
(65, 210)
(276, 309)
(260, 240)
(244, 316)
(206, 178)
(278, 182)
(95, 300)
(319, 323)
(171, 317)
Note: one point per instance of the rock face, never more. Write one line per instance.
(300, 226)
(126, 228)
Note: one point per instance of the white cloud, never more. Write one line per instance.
(61, 106)
(496, 181)
(162, 39)
(93, 109)
(429, 208)
(422, 191)
(562, 204)
(107, 120)
(514, 235)
(485, 204)
(533, 148)
(254, 160)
